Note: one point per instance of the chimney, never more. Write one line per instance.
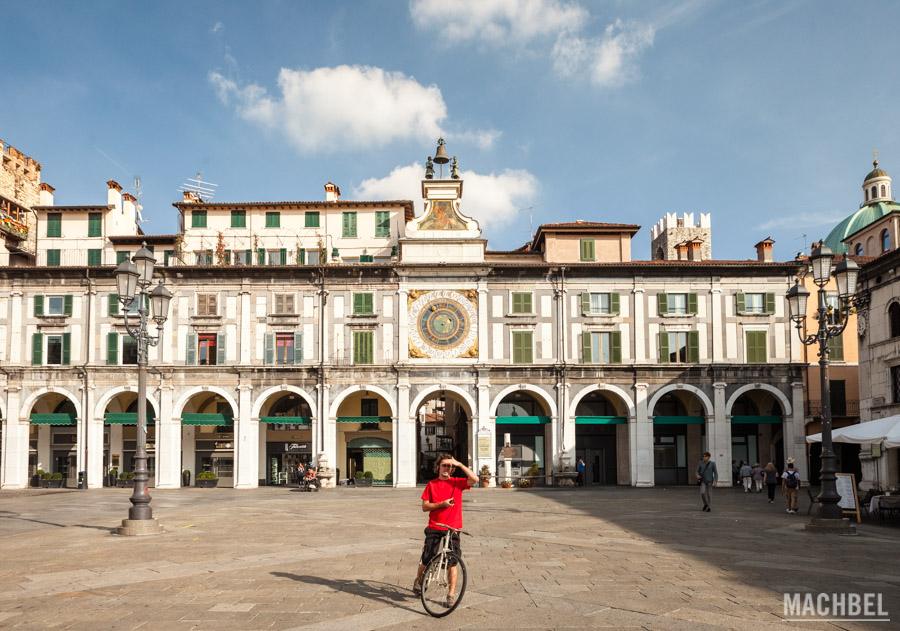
(46, 195)
(764, 250)
(695, 252)
(114, 194)
(332, 192)
(681, 251)
(190, 197)
(128, 201)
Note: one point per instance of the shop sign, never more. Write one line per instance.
(296, 447)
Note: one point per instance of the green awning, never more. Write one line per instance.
(363, 419)
(285, 420)
(52, 419)
(120, 418)
(601, 420)
(678, 420)
(192, 418)
(752, 420)
(523, 420)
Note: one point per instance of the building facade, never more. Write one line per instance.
(348, 333)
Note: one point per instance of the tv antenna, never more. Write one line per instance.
(199, 187)
(137, 193)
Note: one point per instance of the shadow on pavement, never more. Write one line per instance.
(373, 590)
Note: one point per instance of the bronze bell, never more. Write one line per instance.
(440, 156)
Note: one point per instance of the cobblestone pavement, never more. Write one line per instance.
(345, 558)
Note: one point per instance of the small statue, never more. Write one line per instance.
(429, 169)
(454, 169)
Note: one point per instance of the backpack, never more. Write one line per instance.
(792, 481)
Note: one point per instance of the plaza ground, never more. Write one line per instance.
(274, 558)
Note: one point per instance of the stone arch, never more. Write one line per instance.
(31, 400)
(603, 387)
(110, 394)
(265, 394)
(779, 395)
(542, 394)
(675, 387)
(422, 396)
(336, 404)
(183, 400)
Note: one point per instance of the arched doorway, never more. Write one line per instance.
(120, 436)
(601, 438)
(443, 425)
(207, 437)
(53, 438)
(524, 437)
(365, 414)
(757, 435)
(285, 437)
(679, 436)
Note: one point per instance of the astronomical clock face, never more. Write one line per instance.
(443, 324)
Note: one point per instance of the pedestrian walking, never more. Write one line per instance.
(771, 477)
(759, 477)
(580, 468)
(746, 476)
(707, 475)
(790, 486)
(735, 473)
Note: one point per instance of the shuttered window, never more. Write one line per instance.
(599, 304)
(522, 347)
(95, 224)
(95, 257)
(676, 304)
(284, 303)
(273, 220)
(382, 223)
(311, 219)
(521, 302)
(601, 347)
(207, 305)
(52, 258)
(587, 250)
(363, 347)
(112, 349)
(238, 218)
(198, 219)
(756, 347)
(363, 304)
(54, 224)
(122, 256)
(836, 348)
(679, 347)
(348, 225)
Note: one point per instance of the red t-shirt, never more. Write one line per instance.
(439, 490)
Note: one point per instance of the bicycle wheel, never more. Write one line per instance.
(436, 585)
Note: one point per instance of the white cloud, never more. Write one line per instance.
(218, 26)
(497, 22)
(345, 107)
(608, 61)
(494, 199)
(802, 220)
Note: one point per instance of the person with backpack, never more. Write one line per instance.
(759, 477)
(771, 477)
(746, 476)
(790, 486)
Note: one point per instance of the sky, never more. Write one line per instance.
(764, 114)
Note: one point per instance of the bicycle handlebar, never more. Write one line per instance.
(451, 528)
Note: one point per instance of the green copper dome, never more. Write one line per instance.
(868, 214)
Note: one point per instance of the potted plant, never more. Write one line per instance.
(389, 479)
(126, 480)
(54, 480)
(36, 478)
(506, 484)
(362, 478)
(207, 480)
(45, 479)
(112, 476)
(484, 476)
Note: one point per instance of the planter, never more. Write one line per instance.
(207, 484)
(484, 482)
(52, 484)
(45, 484)
(125, 484)
(36, 481)
(363, 481)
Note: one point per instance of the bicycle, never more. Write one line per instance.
(436, 579)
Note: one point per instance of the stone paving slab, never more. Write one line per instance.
(615, 558)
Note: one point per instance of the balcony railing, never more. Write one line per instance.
(847, 408)
(13, 219)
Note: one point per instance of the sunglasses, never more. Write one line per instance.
(447, 466)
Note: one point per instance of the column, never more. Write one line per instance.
(402, 323)
(641, 439)
(94, 440)
(168, 441)
(14, 472)
(639, 327)
(484, 429)
(188, 451)
(83, 448)
(483, 346)
(719, 437)
(404, 437)
(246, 450)
(794, 432)
(567, 430)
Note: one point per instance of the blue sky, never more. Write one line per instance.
(764, 114)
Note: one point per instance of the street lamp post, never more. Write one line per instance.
(828, 517)
(133, 280)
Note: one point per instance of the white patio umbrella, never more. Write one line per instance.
(884, 429)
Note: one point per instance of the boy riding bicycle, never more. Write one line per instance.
(442, 500)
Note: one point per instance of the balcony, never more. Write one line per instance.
(839, 409)
(13, 219)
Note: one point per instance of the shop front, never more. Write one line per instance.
(283, 454)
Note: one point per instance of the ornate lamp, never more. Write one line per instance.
(159, 301)
(797, 296)
(127, 276)
(144, 261)
(845, 275)
(821, 259)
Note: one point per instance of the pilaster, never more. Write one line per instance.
(404, 437)
(719, 437)
(641, 440)
(246, 452)
(168, 441)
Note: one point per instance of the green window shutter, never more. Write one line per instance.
(53, 258)
(54, 224)
(112, 349)
(586, 347)
(662, 304)
(112, 306)
(121, 257)
(369, 303)
(348, 224)
(756, 347)
(836, 348)
(362, 304)
(522, 347)
(273, 219)
(311, 219)
(587, 249)
(66, 349)
(615, 347)
(382, 223)
(663, 348)
(261, 256)
(740, 304)
(95, 257)
(95, 224)
(693, 349)
(282, 253)
(38, 306)
(526, 304)
(248, 257)
(357, 303)
(298, 348)
(220, 348)
(585, 303)
(270, 348)
(191, 355)
(37, 349)
(67, 305)
(238, 218)
(614, 304)
(770, 303)
(362, 347)
(198, 219)
(692, 304)
(301, 256)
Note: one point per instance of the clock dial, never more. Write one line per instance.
(442, 324)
